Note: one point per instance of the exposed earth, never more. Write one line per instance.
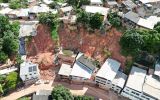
(92, 44)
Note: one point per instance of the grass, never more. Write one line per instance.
(54, 33)
(67, 52)
(61, 1)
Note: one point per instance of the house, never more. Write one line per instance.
(136, 86)
(66, 11)
(28, 29)
(151, 88)
(65, 71)
(96, 2)
(82, 68)
(107, 73)
(4, 5)
(5, 11)
(134, 20)
(29, 71)
(13, 14)
(42, 95)
(119, 82)
(34, 10)
(96, 9)
(149, 1)
(47, 1)
(128, 5)
(23, 13)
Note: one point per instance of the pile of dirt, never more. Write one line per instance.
(92, 44)
(41, 47)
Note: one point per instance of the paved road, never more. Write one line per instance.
(75, 90)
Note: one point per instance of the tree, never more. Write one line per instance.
(95, 21)
(11, 81)
(132, 41)
(158, 24)
(15, 4)
(59, 92)
(83, 17)
(78, 3)
(48, 19)
(3, 57)
(114, 19)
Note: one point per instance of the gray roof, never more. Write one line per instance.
(86, 62)
(40, 97)
(44, 92)
(132, 16)
(129, 4)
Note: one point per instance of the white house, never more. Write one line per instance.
(8, 70)
(65, 71)
(107, 73)
(136, 88)
(96, 2)
(82, 68)
(119, 82)
(23, 13)
(5, 11)
(29, 71)
(157, 69)
(65, 11)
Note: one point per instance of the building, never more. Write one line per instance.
(5, 11)
(13, 14)
(65, 71)
(157, 69)
(119, 82)
(96, 2)
(42, 95)
(107, 73)
(28, 29)
(137, 86)
(82, 68)
(23, 13)
(151, 88)
(29, 71)
(66, 11)
(128, 5)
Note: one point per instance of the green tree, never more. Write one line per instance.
(61, 93)
(15, 4)
(11, 81)
(132, 41)
(78, 3)
(83, 17)
(95, 21)
(114, 19)
(3, 57)
(48, 19)
(158, 24)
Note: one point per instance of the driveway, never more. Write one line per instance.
(75, 90)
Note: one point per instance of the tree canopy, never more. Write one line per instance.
(78, 3)
(96, 21)
(8, 38)
(83, 98)
(61, 93)
(15, 4)
(48, 19)
(114, 19)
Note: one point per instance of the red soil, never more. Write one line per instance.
(40, 49)
(92, 44)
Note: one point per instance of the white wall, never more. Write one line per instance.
(30, 75)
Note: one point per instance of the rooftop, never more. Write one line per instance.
(109, 69)
(129, 3)
(152, 87)
(134, 17)
(96, 9)
(5, 11)
(28, 67)
(65, 9)
(136, 78)
(96, 1)
(149, 1)
(40, 97)
(65, 70)
(44, 92)
(120, 79)
(8, 70)
(23, 13)
(86, 62)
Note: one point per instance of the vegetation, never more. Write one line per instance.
(94, 21)
(128, 66)
(9, 82)
(67, 52)
(78, 3)
(15, 4)
(8, 38)
(48, 19)
(61, 93)
(24, 98)
(114, 19)
(83, 98)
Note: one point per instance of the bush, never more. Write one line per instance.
(95, 21)
(83, 98)
(114, 19)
